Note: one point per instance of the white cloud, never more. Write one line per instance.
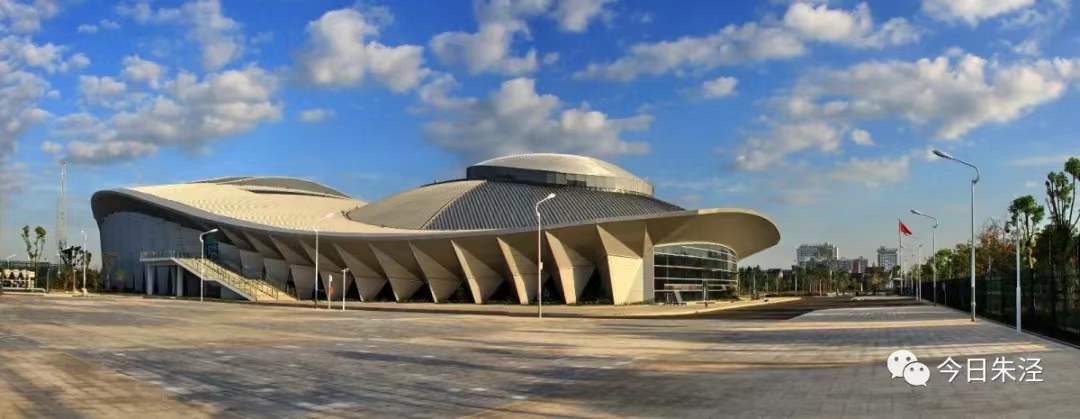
(517, 119)
(855, 27)
(575, 15)
(486, 51)
(952, 94)
(753, 42)
(861, 137)
(100, 90)
(764, 151)
(337, 54)
(104, 152)
(873, 173)
(1052, 160)
(48, 56)
(500, 22)
(315, 115)
(87, 28)
(188, 113)
(25, 17)
(718, 87)
(732, 45)
(108, 24)
(50, 147)
(972, 11)
(218, 35)
(139, 70)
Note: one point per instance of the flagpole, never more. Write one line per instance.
(900, 253)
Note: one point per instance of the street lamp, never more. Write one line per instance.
(315, 228)
(343, 287)
(974, 180)
(539, 259)
(202, 260)
(933, 249)
(1007, 224)
(85, 263)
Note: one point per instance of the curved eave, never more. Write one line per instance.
(745, 231)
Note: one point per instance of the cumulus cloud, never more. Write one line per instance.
(872, 173)
(718, 87)
(753, 42)
(861, 137)
(972, 12)
(517, 119)
(500, 22)
(951, 94)
(219, 36)
(139, 70)
(100, 90)
(187, 112)
(575, 15)
(25, 17)
(315, 115)
(760, 152)
(855, 27)
(339, 54)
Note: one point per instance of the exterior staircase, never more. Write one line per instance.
(253, 289)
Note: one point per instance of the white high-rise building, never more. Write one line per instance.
(815, 253)
(887, 257)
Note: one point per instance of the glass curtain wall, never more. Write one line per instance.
(694, 271)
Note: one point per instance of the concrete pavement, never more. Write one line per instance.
(116, 357)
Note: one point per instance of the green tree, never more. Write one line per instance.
(1026, 214)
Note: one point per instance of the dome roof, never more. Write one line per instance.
(478, 205)
(559, 169)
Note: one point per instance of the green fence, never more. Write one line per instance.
(1050, 305)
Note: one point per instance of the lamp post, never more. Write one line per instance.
(85, 263)
(539, 259)
(974, 180)
(933, 250)
(315, 228)
(202, 259)
(343, 287)
(1017, 274)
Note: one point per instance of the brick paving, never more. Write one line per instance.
(121, 357)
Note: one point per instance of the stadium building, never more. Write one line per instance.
(605, 238)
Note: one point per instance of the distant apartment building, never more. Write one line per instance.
(852, 265)
(815, 253)
(887, 257)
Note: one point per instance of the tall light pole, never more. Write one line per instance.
(1017, 273)
(315, 228)
(933, 250)
(202, 260)
(974, 180)
(343, 287)
(539, 259)
(85, 263)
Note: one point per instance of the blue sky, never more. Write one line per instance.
(819, 114)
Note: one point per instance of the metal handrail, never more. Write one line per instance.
(251, 286)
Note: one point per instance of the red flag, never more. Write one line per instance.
(904, 229)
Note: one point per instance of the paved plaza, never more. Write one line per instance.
(130, 356)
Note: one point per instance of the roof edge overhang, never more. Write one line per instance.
(746, 231)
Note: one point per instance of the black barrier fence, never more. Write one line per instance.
(1050, 305)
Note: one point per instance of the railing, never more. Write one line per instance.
(167, 254)
(253, 287)
(1050, 303)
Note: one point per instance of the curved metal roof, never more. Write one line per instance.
(479, 205)
(559, 169)
(562, 163)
